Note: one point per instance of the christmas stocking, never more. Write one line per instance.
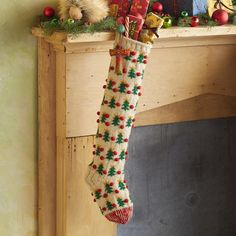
(116, 117)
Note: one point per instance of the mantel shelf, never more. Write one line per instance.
(173, 32)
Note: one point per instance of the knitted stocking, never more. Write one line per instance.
(106, 172)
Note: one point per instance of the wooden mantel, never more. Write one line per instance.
(190, 76)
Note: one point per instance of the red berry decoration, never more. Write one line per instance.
(117, 191)
(116, 159)
(115, 153)
(126, 153)
(49, 12)
(131, 107)
(113, 83)
(220, 16)
(194, 21)
(124, 70)
(94, 152)
(100, 135)
(104, 86)
(113, 138)
(105, 102)
(114, 205)
(111, 184)
(118, 104)
(115, 90)
(127, 85)
(122, 118)
(133, 53)
(94, 167)
(107, 124)
(98, 113)
(139, 87)
(129, 92)
(118, 172)
(101, 149)
(102, 158)
(126, 200)
(98, 120)
(94, 146)
(105, 195)
(140, 94)
(126, 140)
(122, 126)
(112, 68)
(134, 60)
(106, 116)
(145, 62)
(157, 7)
(138, 73)
(104, 208)
(104, 172)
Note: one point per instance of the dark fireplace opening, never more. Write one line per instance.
(182, 179)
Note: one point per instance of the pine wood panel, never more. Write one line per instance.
(46, 140)
(173, 32)
(83, 215)
(173, 75)
(206, 106)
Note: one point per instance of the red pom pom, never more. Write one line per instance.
(104, 172)
(104, 209)
(115, 90)
(100, 135)
(98, 113)
(98, 120)
(127, 85)
(122, 126)
(113, 83)
(116, 159)
(94, 146)
(139, 87)
(126, 153)
(131, 106)
(145, 61)
(126, 140)
(99, 190)
(107, 123)
(101, 149)
(94, 167)
(106, 116)
(118, 172)
(94, 152)
(122, 118)
(115, 153)
(125, 181)
(117, 191)
(126, 200)
(105, 195)
(104, 86)
(124, 70)
(114, 205)
(113, 138)
(134, 60)
(102, 158)
(138, 74)
(105, 102)
(111, 184)
(133, 53)
(112, 68)
(129, 92)
(49, 12)
(139, 94)
(118, 104)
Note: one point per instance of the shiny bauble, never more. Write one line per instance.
(167, 22)
(194, 21)
(157, 7)
(220, 16)
(184, 14)
(48, 12)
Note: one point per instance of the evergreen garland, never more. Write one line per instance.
(74, 28)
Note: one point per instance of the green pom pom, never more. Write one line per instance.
(121, 29)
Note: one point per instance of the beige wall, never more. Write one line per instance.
(18, 120)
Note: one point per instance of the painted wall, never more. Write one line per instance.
(18, 120)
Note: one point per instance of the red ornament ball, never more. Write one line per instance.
(220, 16)
(194, 21)
(157, 7)
(49, 12)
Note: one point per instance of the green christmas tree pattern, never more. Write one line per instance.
(122, 155)
(140, 58)
(109, 206)
(112, 103)
(122, 87)
(108, 188)
(98, 151)
(131, 73)
(98, 194)
(116, 121)
(122, 185)
(135, 90)
(129, 122)
(100, 169)
(110, 155)
(110, 85)
(126, 105)
(112, 172)
(103, 118)
(120, 202)
(106, 136)
(120, 138)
